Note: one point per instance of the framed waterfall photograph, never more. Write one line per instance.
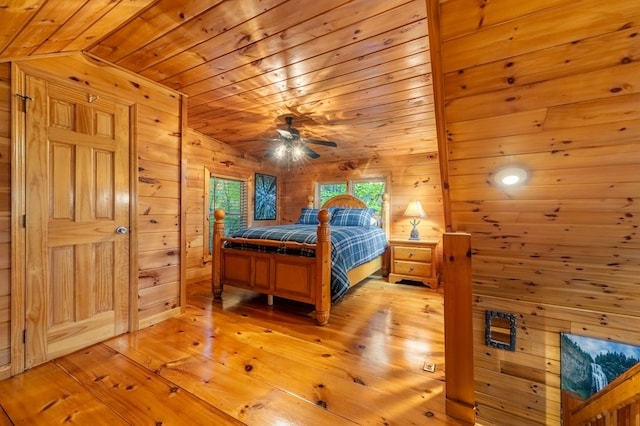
(265, 198)
(588, 365)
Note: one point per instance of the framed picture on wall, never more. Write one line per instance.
(588, 365)
(265, 199)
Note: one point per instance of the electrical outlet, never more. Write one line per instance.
(429, 366)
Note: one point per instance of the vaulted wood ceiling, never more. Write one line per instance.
(355, 72)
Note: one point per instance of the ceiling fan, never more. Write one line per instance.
(293, 147)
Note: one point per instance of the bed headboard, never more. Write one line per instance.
(344, 201)
(349, 201)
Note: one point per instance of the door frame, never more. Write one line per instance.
(19, 70)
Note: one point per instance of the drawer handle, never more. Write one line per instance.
(411, 269)
(410, 254)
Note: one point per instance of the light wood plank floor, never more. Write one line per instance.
(240, 361)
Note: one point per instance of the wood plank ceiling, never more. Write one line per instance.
(354, 72)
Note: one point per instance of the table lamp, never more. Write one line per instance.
(414, 210)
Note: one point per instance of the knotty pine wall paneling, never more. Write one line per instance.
(158, 211)
(155, 163)
(408, 177)
(221, 160)
(5, 219)
(553, 86)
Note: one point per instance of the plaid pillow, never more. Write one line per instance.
(351, 217)
(308, 217)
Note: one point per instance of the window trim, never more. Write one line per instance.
(350, 184)
(317, 202)
(207, 251)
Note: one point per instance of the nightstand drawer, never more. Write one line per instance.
(414, 260)
(412, 268)
(414, 254)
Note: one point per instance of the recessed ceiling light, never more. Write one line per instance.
(510, 176)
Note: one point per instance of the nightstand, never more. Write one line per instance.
(414, 260)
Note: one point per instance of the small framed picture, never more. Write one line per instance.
(265, 197)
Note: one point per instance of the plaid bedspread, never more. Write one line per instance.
(351, 246)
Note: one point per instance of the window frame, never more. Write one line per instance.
(350, 185)
(318, 198)
(207, 249)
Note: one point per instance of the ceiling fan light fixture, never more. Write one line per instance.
(297, 152)
(292, 147)
(280, 151)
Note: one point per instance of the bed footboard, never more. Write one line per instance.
(298, 278)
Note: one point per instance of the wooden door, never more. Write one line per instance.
(77, 203)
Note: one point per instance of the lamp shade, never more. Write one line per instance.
(414, 209)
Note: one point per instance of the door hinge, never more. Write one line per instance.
(24, 98)
(24, 221)
(24, 336)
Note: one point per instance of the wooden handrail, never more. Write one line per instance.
(619, 394)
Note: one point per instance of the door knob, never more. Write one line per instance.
(121, 230)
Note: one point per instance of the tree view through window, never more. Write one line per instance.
(229, 195)
(369, 191)
(330, 190)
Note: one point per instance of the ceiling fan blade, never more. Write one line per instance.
(311, 153)
(318, 142)
(285, 133)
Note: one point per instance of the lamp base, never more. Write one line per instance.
(414, 234)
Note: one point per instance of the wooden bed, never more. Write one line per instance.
(305, 279)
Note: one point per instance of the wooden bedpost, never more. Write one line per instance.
(386, 216)
(310, 201)
(216, 253)
(386, 227)
(323, 265)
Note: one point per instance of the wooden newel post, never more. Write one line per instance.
(216, 253)
(323, 265)
(458, 326)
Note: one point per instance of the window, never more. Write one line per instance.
(368, 190)
(229, 195)
(328, 190)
